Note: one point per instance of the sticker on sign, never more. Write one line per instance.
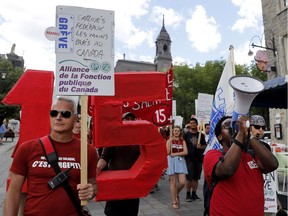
(51, 33)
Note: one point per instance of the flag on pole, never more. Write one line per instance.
(223, 103)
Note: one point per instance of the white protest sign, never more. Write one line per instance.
(270, 195)
(178, 120)
(204, 107)
(173, 107)
(84, 51)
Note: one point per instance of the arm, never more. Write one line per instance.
(202, 142)
(266, 161)
(230, 163)
(185, 150)
(100, 165)
(13, 196)
(168, 146)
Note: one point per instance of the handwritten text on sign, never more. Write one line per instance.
(84, 51)
(204, 106)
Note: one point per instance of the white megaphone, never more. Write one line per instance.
(246, 88)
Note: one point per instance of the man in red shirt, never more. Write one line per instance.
(30, 162)
(239, 190)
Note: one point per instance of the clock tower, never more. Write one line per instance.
(163, 58)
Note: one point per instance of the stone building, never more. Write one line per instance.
(276, 36)
(162, 60)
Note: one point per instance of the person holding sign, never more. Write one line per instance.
(237, 171)
(120, 158)
(45, 192)
(194, 158)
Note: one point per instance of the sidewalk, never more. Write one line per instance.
(5, 161)
(159, 203)
(156, 204)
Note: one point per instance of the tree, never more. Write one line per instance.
(12, 76)
(188, 82)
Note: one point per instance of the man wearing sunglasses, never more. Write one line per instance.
(257, 126)
(30, 162)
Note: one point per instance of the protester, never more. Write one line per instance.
(30, 162)
(206, 131)
(257, 129)
(77, 128)
(238, 172)
(194, 158)
(176, 150)
(3, 130)
(120, 158)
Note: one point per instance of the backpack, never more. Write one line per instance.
(207, 192)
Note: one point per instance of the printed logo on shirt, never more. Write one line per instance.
(252, 164)
(64, 163)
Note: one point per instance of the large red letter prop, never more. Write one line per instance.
(33, 92)
(110, 131)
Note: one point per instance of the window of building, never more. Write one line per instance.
(282, 5)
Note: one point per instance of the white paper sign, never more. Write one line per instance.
(204, 107)
(270, 192)
(84, 51)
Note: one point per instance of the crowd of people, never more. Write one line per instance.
(237, 169)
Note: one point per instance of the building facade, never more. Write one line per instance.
(276, 36)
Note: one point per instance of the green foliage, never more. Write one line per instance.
(12, 76)
(188, 82)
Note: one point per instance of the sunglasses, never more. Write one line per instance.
(257, 127)
(64, 113)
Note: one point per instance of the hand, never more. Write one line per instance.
(242, 124)
(86, 192)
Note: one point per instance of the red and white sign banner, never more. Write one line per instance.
(158, 112)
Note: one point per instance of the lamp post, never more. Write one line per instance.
(266, 47)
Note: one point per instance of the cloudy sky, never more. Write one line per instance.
(199, 30)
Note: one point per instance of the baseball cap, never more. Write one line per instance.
(257, 120)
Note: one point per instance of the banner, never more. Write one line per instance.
(158, 112)
(223, 101)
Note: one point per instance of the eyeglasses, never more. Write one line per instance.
(226, 125)
(257, 127)
(64, 113)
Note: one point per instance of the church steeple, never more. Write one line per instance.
(163, 58)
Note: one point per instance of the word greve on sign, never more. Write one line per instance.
(63, 26)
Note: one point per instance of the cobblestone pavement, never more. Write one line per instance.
(156, 204)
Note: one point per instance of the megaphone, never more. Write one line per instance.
(246, 88)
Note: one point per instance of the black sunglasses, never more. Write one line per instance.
(257, 127)
(64, 113)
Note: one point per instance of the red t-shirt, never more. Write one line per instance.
(240, 194)
(177, 146)
(30, 161)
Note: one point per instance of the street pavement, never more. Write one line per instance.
(156, 204)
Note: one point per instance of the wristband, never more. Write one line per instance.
(236, 142)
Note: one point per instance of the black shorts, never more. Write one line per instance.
(194, 170)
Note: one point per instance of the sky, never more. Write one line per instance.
(200, 30)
